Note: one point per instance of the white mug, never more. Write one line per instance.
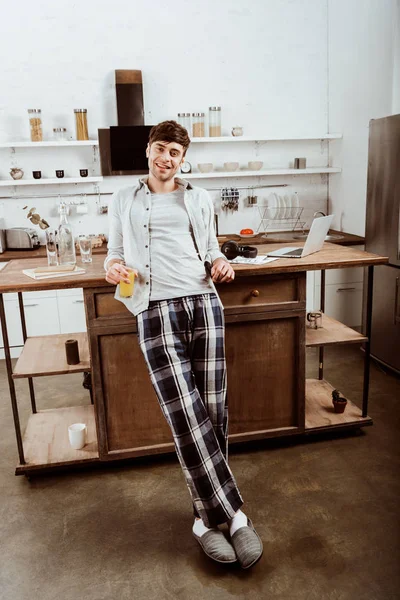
(77, 435)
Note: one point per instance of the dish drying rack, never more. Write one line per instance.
(270, 218)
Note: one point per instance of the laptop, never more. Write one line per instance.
(314, 242)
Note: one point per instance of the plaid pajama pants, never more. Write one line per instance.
(182, 340)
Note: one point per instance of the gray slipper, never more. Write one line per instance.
(216, 546)
(248, 545)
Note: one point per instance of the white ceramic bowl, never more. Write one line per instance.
(255, 165)
(231, 166)
(205, 167)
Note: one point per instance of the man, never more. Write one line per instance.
(163, 229)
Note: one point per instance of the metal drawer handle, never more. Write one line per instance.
(254, 293)
(346, 289)
(78, 302)
(396, 303)
(26, 305)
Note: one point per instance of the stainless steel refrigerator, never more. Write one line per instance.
(382, 236)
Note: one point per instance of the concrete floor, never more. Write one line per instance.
(327, 509)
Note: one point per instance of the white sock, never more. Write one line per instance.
(239, 520)
(199, 528)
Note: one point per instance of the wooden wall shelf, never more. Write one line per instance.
(249, 138)
(332, 333)
(263, 172)
(49, 144)
(50, 181)
(45, 355)
(319, 409)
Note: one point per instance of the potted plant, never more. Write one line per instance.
(339, 402)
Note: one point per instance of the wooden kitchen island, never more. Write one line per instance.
(266, 339)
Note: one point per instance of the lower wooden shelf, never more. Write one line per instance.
(320, 414)
(46, 442)
(45, 355)
(331, 333)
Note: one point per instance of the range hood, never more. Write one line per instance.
(122, 148)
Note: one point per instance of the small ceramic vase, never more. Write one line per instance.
(16, 173)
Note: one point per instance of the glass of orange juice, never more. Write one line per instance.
(126, 289)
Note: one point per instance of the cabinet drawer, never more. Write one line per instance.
(266, 292)
(41, 317)
(102, 308)
(71, 310)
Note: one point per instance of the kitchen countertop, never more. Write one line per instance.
(349, 239)
(330, 257)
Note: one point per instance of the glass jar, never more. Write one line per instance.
(184, 120)
(60, 134)
(81, 124)
(35, 123)
(214, 121)
(198, 129)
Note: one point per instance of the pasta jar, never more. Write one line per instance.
(81, 124)
(35, 123)
(198, 128)
(214, 121)
(60, 134)
(184, 120)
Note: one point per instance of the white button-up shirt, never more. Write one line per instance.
(129, 238)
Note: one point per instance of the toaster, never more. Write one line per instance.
(21, 238)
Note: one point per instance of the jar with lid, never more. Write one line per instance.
(198, 129)
(184, 120)
(81, 124)
(35, 123)
(60, 134)
(214, 121)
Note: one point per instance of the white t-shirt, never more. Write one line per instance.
(176, 269)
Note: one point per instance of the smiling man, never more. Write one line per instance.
(163, 229)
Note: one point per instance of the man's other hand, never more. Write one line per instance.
(222, 271)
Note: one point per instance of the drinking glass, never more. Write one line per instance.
(85, 246)
(51, 247)
(126, 289)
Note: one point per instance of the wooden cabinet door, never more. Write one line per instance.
(129, 419)
(266, 375)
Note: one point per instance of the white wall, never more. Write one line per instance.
(268, 63)
(396, 60)
(360, 58)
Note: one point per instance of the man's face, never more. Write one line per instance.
(165, 159)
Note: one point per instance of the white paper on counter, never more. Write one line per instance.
(262, 259)
(31, 273)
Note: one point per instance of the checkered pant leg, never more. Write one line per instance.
(182, 341)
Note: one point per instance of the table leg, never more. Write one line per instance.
(11, 382)
(24, 335)
(321, 348)
(367, 345)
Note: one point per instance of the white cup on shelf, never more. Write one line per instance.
(77, 433)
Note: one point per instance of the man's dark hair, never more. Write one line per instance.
(170, 131)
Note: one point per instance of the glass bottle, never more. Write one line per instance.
(198, 129)
(184, 120)
(66, 245)
(214, 121)
(35, 124)
(60, 134)
(81, 124)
